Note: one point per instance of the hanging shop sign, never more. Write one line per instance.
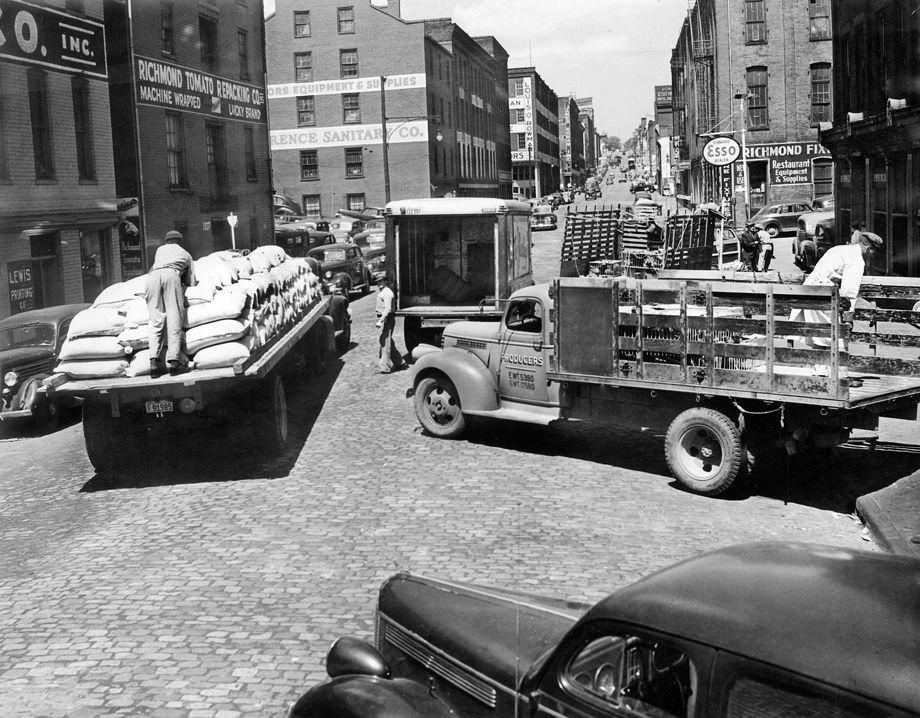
(22, 286)
(720, 151)
(174, 87)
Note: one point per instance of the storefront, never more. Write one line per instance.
(786, 172)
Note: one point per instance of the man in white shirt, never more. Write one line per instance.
(173, 270)
(389, 359)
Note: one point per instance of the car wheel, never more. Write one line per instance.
(772, 230)
(437, 406)
(704, 451)
(343, 340)
(49, 414)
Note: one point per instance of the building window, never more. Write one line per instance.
(519, 141)
(217, 160)
(303, 67)
(820, 92)
(351, 110)
(311, 206)
(166, 28)
(519, 115)
(354, 162)
(83, 129)
(243, 43)
(309, 165)
(41, 125)
(346, 17)
(758, 116)
(250, 152)
(306, 111)
(355, 202)
(207, 40)
(348, 63)
(302, 23)
(175, 150)
(517, 86)
(819, 19)
(755, 22)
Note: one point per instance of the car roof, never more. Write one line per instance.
(334, 245)
(48, 314)
(849, 618)
(455, 205)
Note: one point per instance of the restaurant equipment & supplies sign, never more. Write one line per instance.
(174, 87)
(788, 163)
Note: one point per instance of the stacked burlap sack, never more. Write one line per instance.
(239, 304)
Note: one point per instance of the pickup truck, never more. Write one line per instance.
(719, 366)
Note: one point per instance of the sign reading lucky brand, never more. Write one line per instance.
(41, 36)
(345, 135)
(354, 84)
(179, 88)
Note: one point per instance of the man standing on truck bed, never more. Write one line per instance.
(173, 269)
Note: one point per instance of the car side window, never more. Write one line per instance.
(350, 254)
(645, 676)
(749, 696)
(525, 315)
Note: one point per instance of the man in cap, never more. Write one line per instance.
(173, 270)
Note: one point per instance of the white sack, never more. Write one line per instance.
(135, 338)
(205, 335)
(116, 295)
(225, 305)
(221, 355)
(136, 311)
(97, 369)
(140, 364)
(96, 321)
(93, 348)
(201, 292)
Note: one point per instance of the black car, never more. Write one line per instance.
(30, 343)
(773, 629)
(342, 268)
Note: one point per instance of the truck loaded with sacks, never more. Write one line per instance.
(252, 321)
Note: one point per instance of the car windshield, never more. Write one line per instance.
(328, 255)
(37, 334)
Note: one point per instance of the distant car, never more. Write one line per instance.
(642, 194)
(342, 268)
(30, 343)
(771, 629)
(373, 233)
(779, 218)
(345, 228)
(806, 249)
(298, 239)
(823, 202)
(543, 217)
(372, 242)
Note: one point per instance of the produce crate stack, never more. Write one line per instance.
(590, 235)
(240, 305)
(690, 240)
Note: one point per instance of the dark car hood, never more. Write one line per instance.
(12, 358)
(498, 633)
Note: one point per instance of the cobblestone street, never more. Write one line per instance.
(213, 584)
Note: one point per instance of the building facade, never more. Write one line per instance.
(875, 135)
(586, 117)
(767, 62)
(58, 223)
(571, 144)
(445, 132)
(189, 123)
(534, 115)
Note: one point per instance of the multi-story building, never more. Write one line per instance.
(876, 126)
(571, 144)
(336, 71)
(189, 122)
(534, 111)
(768, 62)
(58, 239)
(586, 117)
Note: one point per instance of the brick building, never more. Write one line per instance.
(534, 111)
(57, 187)
(571, 144)
(446, 118)
(189, 123)
(586, 117)
(776, 57)
(875, 134)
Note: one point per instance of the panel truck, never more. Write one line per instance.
(730, 372)
(454, 258)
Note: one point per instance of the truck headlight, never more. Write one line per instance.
(11, 378)
(328, 275)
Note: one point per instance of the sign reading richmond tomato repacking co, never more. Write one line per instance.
(721, 151)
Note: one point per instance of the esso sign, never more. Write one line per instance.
(721, 151)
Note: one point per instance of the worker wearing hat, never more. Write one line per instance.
(173, 270)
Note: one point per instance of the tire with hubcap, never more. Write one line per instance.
(704, 451)
(437, 406)
(772, 230)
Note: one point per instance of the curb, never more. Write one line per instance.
(892, 515)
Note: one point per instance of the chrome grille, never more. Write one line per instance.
(29, 369)
(441, 666)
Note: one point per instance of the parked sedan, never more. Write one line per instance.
(345, 228)
(543, 217)
(343, 268)
(30, 343)
(773, 629)
(778, 218)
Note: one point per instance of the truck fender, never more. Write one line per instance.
(473, 380)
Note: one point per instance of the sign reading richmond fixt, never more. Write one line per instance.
(312, 138)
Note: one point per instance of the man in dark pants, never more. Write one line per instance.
(173, 270)
(389, 359)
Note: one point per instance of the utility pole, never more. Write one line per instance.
(383, 137)
(742, 97)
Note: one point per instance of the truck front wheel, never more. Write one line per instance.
(437, 406)
(704, 451)
(111, 443)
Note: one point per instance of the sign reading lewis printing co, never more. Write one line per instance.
(351, 85)
(164, 84)
(309, 138)
(51, 38)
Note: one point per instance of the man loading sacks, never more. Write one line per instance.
(173, 270)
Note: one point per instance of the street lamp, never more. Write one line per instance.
(742, 97)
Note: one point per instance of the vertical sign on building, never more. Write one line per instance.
(22, 286)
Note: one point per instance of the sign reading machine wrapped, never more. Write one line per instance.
(164, 84)
(309, 138)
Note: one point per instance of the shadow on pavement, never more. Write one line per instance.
(30, 428)
(220, 448)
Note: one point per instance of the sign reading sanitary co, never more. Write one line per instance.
(164, 84)
(351, 85)
(346, 135)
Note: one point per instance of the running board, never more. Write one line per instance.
(527, 413)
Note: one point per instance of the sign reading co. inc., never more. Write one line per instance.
(347, 135)
(41, 36)
(721, 151)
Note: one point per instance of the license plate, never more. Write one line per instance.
(159, 407)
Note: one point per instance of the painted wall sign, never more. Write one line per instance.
(304, 138)
(174, 87)
(788, 163)
(22, 286)
(337, 87)
(51, 38)
(720, 151)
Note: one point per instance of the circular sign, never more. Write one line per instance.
(721, 151)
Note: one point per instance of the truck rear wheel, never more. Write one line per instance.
(110, 441)
(704, 451)
(437, 406)
(271, 416)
